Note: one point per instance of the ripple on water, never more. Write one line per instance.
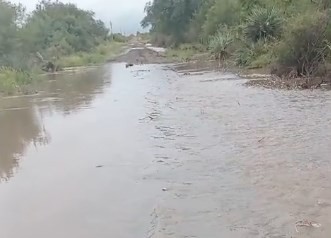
(260, 158)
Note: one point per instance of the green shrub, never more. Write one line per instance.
(304, 46)
(223, 12)
(162, 40)
(262, 61)
(254, 55)
(263, 24)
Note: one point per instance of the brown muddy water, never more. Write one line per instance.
(148, 152)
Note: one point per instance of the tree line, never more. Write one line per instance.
(53, 29)
(292, 36)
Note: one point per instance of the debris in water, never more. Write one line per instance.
(262, 139)
(147, 117)
(164, 189)
(128, 65)
(323, 203)
(306, 223)
(238, 103)
(99, 166)
(187, 183)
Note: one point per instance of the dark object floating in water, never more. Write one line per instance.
(128, 65)
(99, 166)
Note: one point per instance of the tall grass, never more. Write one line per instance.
(185, 52)
(102, 53)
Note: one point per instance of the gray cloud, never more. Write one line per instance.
(124, 14)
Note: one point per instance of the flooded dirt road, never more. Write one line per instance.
(150, 152)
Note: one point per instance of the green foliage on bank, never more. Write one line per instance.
(102, 53)
(56, 32)
(186, 52)
(287, 36)
(16, 81)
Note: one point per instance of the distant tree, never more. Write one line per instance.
(11, 19)
(170, 17)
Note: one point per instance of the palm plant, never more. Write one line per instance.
(263, 24)
(219, 45)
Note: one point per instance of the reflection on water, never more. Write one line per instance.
(18, 128)
(70, 93)
(240, 162)
(21, 118)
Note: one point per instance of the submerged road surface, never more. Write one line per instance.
(147, 152)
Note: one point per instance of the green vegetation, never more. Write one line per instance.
(55, 35)
(102, 53)
(263, 24)
(290, 37)
(219, 45)
(12, 80)
(186, 52)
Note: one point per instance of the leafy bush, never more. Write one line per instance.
(223, 12)
(263, 24)
(162, 40)
(304, 46)
(254, 55)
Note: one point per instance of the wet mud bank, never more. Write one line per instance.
(272, 82)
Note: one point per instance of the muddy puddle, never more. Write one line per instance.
(151, 152)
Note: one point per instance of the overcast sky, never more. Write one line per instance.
(125, 14)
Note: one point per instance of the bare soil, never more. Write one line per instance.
(142, 56)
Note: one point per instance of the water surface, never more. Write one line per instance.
(90, 155)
